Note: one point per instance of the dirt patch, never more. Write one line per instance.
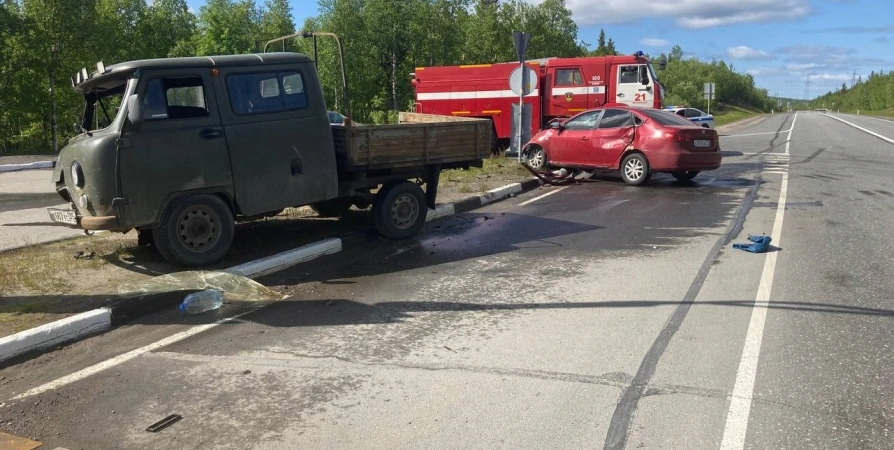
(497, 172)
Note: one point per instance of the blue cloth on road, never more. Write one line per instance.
(760, 244)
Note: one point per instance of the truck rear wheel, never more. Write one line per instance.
(400, 210)
(195, 231)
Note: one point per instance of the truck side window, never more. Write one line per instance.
(175, 98)
(569, 77)
(266, 92)
(629, 74)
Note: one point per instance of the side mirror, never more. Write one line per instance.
(134, 110)
(556, 125)
(662, 64)
(643, 75)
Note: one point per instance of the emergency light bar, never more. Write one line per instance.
(639, 54)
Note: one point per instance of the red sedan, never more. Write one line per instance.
(636, 141)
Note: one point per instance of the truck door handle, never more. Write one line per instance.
(620, 94)
(210, 133)
(555, 96)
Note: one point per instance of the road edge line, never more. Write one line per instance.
(886, 139)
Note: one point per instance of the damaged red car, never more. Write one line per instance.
(636, 141)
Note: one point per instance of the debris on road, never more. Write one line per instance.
(202, 301)
(760, 244)
(164, 423)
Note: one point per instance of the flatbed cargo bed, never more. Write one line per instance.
(417, 140)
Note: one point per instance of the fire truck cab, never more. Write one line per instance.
(565, 87)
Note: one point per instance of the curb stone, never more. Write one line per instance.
(28, 166)
(99, 320)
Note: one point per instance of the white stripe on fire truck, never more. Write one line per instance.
(579, 90)
(468, 95)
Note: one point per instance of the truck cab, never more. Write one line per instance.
(219, 136)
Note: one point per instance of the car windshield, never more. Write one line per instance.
(666, 118)
(102, 104)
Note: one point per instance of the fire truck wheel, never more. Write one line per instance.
(400, 210)
(537, 158)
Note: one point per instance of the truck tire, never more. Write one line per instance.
(336, 207)
(400, 210)
(195, 231)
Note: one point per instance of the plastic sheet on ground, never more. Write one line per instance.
(235, 288)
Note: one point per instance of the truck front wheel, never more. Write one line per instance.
(400, 210)
(195, 231)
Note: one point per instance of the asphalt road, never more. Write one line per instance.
(24, 199)
(598, 316)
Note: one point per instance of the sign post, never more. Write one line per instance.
(521, 39)
(709, 94)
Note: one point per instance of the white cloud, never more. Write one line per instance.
(693, 14)
(743, 52)
(653, 42)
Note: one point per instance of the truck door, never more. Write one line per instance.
(634, 85)
(568, 91)
(180, 145)
(279, 136)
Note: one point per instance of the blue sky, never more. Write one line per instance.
(780, 42)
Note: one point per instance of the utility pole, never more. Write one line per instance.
(854, 79)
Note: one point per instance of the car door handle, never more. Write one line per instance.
(585, 138)
(210, 133)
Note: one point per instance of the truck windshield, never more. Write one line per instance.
(102, 104)
(653, 73)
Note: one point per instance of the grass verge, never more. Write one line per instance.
(730, 114)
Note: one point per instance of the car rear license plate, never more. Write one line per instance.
(66, 216)
(702, 143)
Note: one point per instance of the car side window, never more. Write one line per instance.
(585, 121)
(681, 113)
(258, 93)
(690, 113)
(175, 98)
(615, 118)
(628, 74)
(569, 77)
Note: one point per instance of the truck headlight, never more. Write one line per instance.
(77, 174)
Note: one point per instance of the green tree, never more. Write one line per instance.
(227, 27)
(276, 20)
(170, 27)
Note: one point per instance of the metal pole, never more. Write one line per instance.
(521, 111)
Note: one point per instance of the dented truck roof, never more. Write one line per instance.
(82, 82)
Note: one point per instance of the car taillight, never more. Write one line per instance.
(677, 136)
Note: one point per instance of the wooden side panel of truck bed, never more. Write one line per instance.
(419, 139)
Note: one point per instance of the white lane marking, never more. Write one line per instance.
(109, 363)
(743, 392)
(756, 134)
(527, 202)
(872, 117)
(888, 140)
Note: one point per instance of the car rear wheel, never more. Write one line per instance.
(635, 169)
(537, 158)
(686, 175)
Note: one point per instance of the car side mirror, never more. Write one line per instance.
(134, 110)
(556, 126)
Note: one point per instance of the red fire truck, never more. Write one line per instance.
(564, 87)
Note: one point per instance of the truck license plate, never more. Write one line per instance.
(702, 143)
(66, 216)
